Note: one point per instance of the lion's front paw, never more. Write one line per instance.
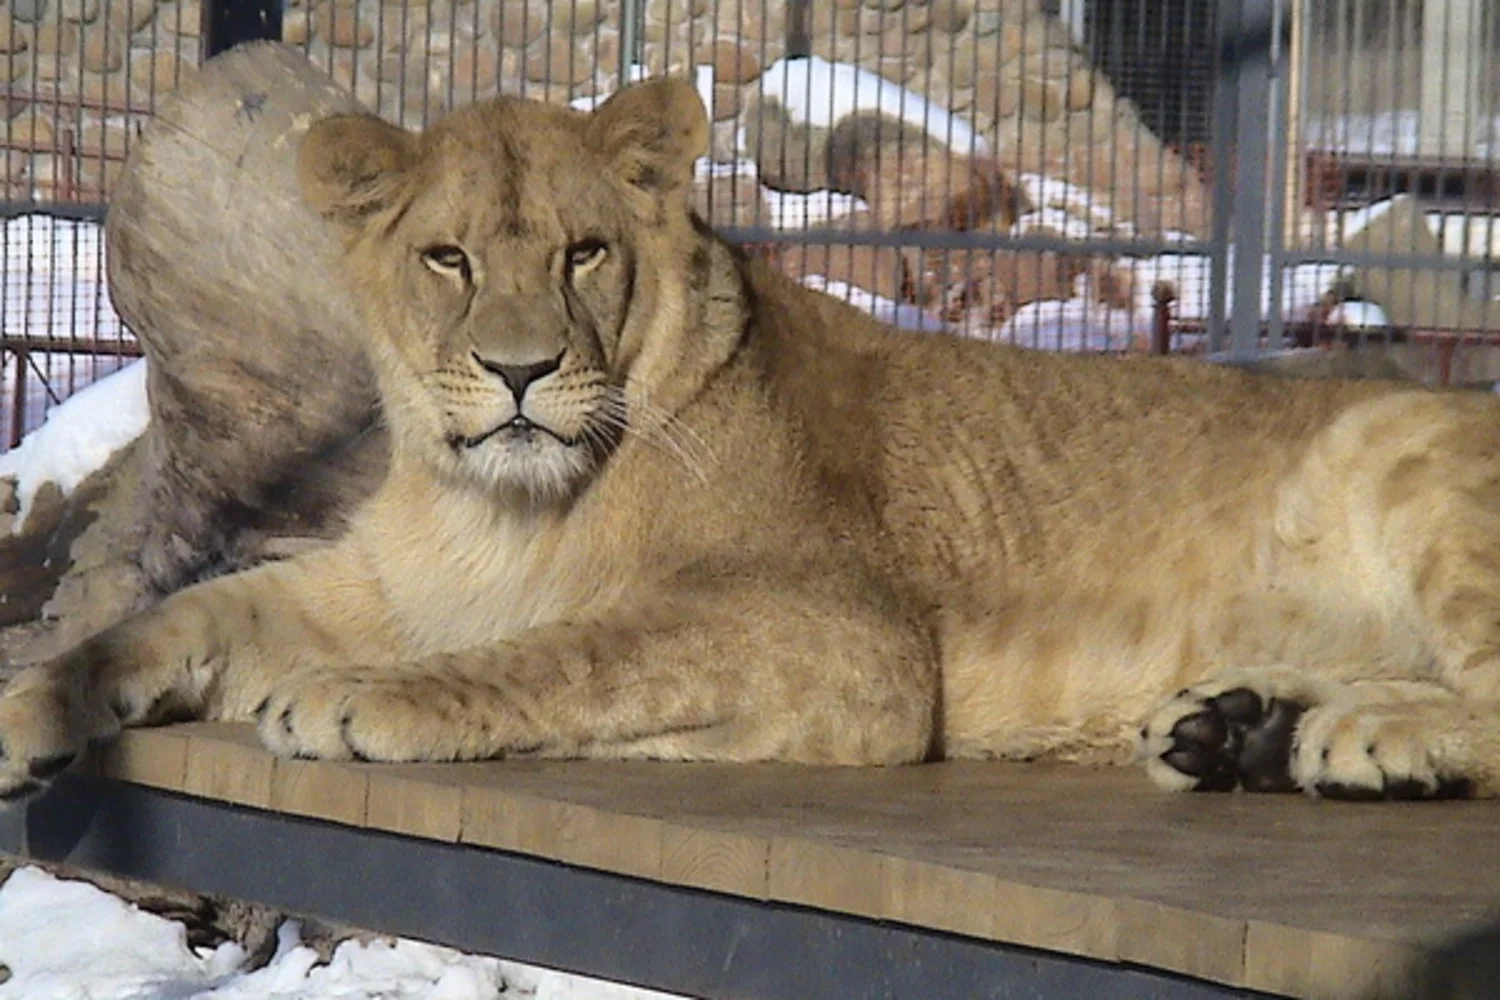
(40, 733)
(1233, 731)
(1377, 752)
(360, 714)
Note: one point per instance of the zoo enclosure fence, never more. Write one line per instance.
(1222, 177)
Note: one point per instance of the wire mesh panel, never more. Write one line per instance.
(890, 151)
(1393, 171)
(82, 77)
(1052, 173)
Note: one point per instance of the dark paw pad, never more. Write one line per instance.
(1401, 790)
(1237, 740)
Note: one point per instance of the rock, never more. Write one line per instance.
(185, 18)
(518, 22)
(606, 56)
(950, 16)
(96, 178)
(879, 270)
(28, 11)
(110, 89)
(724, 142)
(134, 15)
(732, 61)
(160, 72)
(34, 130)
(10, 505)
(104, 49)
(723, 204)
(665, 16)
(477, 69)
(11, 38)
(726, 102)
(884, 4)
(577, 17)
(12, 68)
(908, 179)
(342, 26)
(98, 141)
(85, 11)
(791, 157)
(47, 68)
(1080, 89)
(296, 27)
(56, 39)
(994, 283)
(987, 22)
(557, 60)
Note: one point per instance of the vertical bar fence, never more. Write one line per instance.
(1224, 178)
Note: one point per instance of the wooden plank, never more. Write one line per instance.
(1270, 892)
(1298, 962)
(923, 895)
(154, 757)
(1178, 940)
(828, 876)
(334, 792)
(419, 800)
(717, 860)
(562, 831)
(226, 763)
(1055, 920)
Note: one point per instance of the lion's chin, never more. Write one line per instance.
(537, 467)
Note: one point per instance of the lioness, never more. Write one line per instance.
(648, 498)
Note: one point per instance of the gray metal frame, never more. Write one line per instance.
(613, 927)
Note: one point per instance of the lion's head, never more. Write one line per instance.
(518, 264)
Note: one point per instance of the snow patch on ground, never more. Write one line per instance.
(899, 314)
(1077, 325)
(79, 436)
(820, 93)
(1385, 133)
(67, 940)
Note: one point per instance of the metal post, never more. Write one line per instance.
(630, 41)
(799, 28)
(1222, 156)
(230, 22)
(1248, 53)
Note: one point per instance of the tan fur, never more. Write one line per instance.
(783, 531)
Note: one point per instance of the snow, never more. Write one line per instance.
(820, 93)
(1077, 325)
(901, 314)
(68, 940)
(1386, 133)
(79, 436)
(1361, 315)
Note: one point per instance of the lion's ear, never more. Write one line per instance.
(653, 131)
(349, 166)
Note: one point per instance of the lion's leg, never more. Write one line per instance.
(1409, 493)
(756, 674)
(211, 650)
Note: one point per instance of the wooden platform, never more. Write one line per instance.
(1280, 894)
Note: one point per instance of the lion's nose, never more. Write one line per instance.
(518, 377)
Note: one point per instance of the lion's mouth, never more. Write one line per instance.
(518, 429)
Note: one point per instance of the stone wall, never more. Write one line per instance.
(74, 65)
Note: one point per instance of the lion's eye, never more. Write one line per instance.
(585, 255)
(447, 259)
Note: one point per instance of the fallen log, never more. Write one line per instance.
(263, 418)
